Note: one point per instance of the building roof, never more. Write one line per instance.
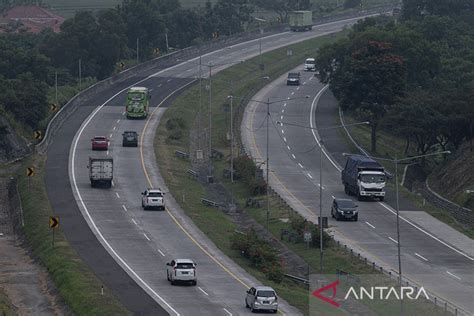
(32, 18)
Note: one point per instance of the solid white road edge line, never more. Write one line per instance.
(453, 275)
(393, 240)
(86, 210)
(313, 130)
(370, 225)
(118, 196)
(146, 237)
(229, 313)
(124, 208)
(161, 252)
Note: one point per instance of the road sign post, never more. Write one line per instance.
(30, 172)
(307, 238)
(53, 224)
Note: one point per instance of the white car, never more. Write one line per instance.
(153, 198)
(310, 64)
(181, 270)
(261, 298)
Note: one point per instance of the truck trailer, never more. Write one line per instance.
(301, 20)
(101, 171)
(364, 177)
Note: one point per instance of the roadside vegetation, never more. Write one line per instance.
(76, 283)
(413, 81)
(6, 308)
(246, 246)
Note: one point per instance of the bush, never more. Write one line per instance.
(261, 254)
(301, 225)
(247, 169)
(175, 128)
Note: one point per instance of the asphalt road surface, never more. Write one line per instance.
(125, 246)
(295, 170)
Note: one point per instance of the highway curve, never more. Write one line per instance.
(125, 246)
(445, 267)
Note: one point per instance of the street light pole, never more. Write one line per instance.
(210, 120)
(268, 159)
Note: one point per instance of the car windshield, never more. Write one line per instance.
(345, 204)
(99, 138)
(310, 62)
(155, 194)
(130, 134)
(265, 294)
(136, 96)
(372, 178)
(293, 75)
(185, 265)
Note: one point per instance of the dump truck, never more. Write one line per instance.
(301, 20)
(137, 102)
(101, 171)
(364, 177)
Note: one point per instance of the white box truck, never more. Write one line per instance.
(364, 177)
(301, 20)
(101, 171)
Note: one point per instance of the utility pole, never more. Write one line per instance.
(200, 102)
(56, 86)
(137, 49)
(166, 39)
(231, 149)
(80, 74)
(210, 120)
(268, 160)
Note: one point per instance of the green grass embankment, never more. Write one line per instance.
(76, 283)
(219, 227)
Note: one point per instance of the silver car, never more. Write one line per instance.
(261, 298)
(181, 270)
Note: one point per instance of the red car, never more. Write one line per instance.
(100, 143)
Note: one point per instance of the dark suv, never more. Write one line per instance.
(344, 209)
(130, 138)
(293, 79)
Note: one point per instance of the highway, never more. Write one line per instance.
(125, 246)
(294, 154)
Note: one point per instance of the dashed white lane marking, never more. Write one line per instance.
(393, 240)
(134, 222)
(229, 313)
(293, 155)
(320, 185)
(304, 83)
(297, 88)
(111, 135)
(107, 153)
(284, 139)
(118, 196)
(118, 121)
(309, 175)
(333, 196)
(113, 183)
(169, 80)
(370, 225)
(288, 98)
(282, 131)
(161, 252)
(420, 256)
(301, 166)
(159, 85)
(311, 78)
(189, 70)
(281, 117)
(293, 93)
(288, 147)
(124, 208)
(453, 275)
(203, 291)
(284, 104)
(146, 237)
(282, 110)
(123, 113)
(115, 127)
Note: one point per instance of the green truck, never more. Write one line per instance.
(301, 20)
(138, 102)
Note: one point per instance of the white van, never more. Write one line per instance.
(310, 64)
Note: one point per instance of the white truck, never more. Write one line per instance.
(101, 171)
(301, 20)
(364, 177)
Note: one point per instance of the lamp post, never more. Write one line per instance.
(268, 103)
(396, 161)
(320, 222)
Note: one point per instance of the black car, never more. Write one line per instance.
(293, 79)
(344, 209)
(130, 139)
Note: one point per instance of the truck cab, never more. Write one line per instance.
(364, 177)
(137, 102)
(310, 64)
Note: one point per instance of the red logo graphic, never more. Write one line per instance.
(332, 286)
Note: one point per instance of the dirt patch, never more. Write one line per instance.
(25, 283)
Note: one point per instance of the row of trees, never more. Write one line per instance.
(414, 78)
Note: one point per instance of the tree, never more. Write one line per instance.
(417, 9)
(283, 7)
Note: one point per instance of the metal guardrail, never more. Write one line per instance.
(304, 281)
(192, 173)
(209, 202)
(181, 154)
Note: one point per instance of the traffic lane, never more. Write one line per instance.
(123, 230)
(172, 242)
(386, 241)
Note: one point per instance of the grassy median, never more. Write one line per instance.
(78, 286)
(174, 133)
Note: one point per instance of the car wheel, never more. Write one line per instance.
(274, 311)
(168, 276)
(246, 304)
(173, 282)
(356, 218)
(381, 198)
(252, 309)
(194, 283)
(346, 189)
